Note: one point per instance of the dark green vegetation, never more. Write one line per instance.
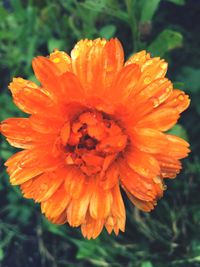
(170, 235)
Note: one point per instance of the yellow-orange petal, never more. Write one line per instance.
(56, 204)
(91, 228)
(78, 207)
(138, 58)
(151, 68)
(117, 217)
(62, 61)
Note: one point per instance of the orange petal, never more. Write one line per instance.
(110, 178)
(44, 186)
(78, 207)
(177, 147)
(138, 58)
(46, 125)
(91, 228)
(30, 98)
(74, 183)
(146, 206)
(49, 76)
(19, 133)
(161, 119)
(100, 203)
(147, 100)
(96, 64)
(142, 163)
(56, 204)
(60, 219)
(169, 166)
(27, 164)
(117, 217)
(149, 140)
(141, 188)
(151, 68)
(125, 82)
(177, 100)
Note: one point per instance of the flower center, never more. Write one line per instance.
(95, 140)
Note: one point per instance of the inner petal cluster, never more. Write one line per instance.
(94, 142)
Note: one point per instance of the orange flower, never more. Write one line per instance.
(95, 123)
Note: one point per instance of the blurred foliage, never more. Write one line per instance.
(170, 235)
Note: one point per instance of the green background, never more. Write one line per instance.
(170, 235)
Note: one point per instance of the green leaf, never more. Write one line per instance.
(190, 77)
(108, 31)
(3, 13)
(1, 254)
(148, 10)
(178, 130)
(104, 7)
(165, 41)
(177, 2)
(146, 264)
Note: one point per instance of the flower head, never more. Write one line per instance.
(96, 123)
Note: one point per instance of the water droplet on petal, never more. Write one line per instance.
(147, 79)
(155, 102)
(157, 180)
(163, 65)
(181, 97)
